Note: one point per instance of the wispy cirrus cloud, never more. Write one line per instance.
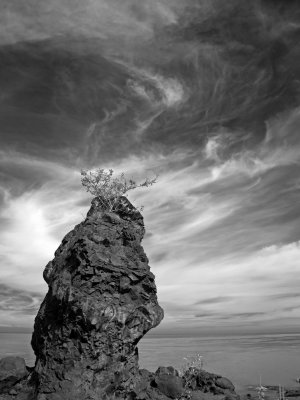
(201, 103)
(215, 300)
(101, 19)
(17, 305)
(186, 252)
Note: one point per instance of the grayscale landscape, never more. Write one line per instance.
(189, 259)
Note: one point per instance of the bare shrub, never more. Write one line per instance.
(108, 188)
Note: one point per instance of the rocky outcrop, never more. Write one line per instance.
(101, 302)
(164, 384)
(194, 384)
(205, 382)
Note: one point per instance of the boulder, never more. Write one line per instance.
(164, 384)
(199, 380)
(170, 386)
(225, 383)
(166, 371)
(12, 370)
(168, 382)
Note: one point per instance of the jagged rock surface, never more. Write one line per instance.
(164, 384)
(101, 302)
(195, 384)
(206, 382)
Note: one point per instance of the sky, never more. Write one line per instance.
(203, 94)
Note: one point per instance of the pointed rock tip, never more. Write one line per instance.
(124, 209)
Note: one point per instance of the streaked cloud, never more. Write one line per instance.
(214, 300)
(98, 18)
(188, 92)
(17, 306)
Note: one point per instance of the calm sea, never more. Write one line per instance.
(243, 359)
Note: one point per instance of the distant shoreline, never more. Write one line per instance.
(272, 392)
(242, 359)
(155, 335)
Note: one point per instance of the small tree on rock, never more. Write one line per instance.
(109, 189)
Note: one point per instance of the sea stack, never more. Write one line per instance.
(101, 301)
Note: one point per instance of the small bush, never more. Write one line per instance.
(188, 372)
(261, 390)
(109, 189)
(191, 363)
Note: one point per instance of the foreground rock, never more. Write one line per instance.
(207, 382)
(195, 384)
(101, 302)
(164, 384)
(12, 371)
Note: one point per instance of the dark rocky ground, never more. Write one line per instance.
(272, 393)
(18, 382)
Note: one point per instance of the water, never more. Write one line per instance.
(17, 344)
(243, 359)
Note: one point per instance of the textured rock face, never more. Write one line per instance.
(195, 384)
(101, 302)
(206, 382)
